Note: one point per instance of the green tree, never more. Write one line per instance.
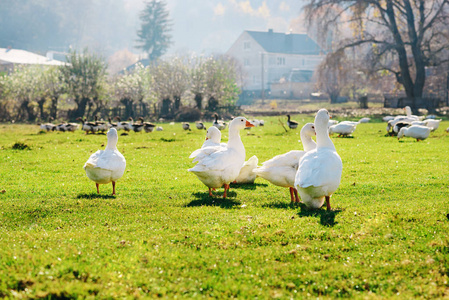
(221, 82)
(198, 80)
(84, 76)
(154, 37)
(402, 36)
(22, 88)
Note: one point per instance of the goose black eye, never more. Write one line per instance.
(241, 120)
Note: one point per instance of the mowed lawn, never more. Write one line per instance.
(163, 236)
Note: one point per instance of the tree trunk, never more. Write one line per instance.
(166, 103)
(128, 103)
(89, 105)
(98, 106)
(41, 103)
(199, 101)
(177, 104)
(80, 110)
(143, 109)
(212, 104)
(405, 75)
(54, 106)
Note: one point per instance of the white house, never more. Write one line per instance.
(267, 57)
(10, 57)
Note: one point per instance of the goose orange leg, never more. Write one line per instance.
(296, 195)
(98, 190)
(113, 188)
(292, 199)
(226, 188)
(210, 192)
(328, 204)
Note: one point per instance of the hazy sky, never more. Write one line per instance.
(212, 26)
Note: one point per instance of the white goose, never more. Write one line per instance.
(221, 167)
(364, 120)
(281, 169)
(88, 126)
(247, 174)
(319, 171)
(48, 126)
(211, 144)
(332, 122)
(213, 138)
(342, 128)
(408, 111)
(106, 165)
(415, 131)
(432, 123)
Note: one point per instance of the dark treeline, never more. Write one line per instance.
(180, 88)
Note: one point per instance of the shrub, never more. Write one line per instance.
(188, 114)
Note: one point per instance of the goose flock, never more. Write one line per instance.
(314, 172)
(59, 127)
(312, 175)
(100, 126)
(411, 125)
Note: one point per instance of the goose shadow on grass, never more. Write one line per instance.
(95, 195)
(203, 199)
(327, 218)
(247, 186)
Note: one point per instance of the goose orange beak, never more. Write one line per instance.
(248, 124)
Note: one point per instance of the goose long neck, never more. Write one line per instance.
(322, 137)
(235, 142)
(112, 144)
(307, 142)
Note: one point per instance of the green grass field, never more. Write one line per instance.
(163, 236)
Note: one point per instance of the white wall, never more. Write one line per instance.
(249, 54)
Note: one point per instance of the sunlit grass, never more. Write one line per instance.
(162, 235)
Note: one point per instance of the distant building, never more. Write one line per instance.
(11, 57)
(270, 58)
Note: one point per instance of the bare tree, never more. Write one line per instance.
(333, 74)
(402, 36)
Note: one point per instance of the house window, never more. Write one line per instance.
(246, 62)
(280, 61)
(246, 45)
